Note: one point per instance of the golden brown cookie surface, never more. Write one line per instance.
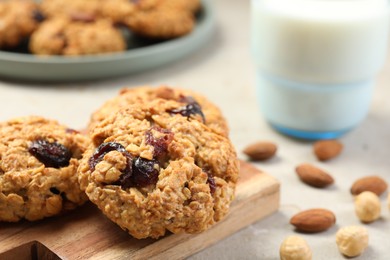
(18, 19)
(52, 8)
(213, 117)
(164, 19)
(78, 36)
(38, 164)
(150, 170)
(116, 10)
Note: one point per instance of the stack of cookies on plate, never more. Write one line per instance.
(155, 159)
(79, 27)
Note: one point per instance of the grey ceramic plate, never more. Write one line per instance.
(141, 56)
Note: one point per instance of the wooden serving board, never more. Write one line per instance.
(87, 234)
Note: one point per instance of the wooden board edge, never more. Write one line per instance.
(256, 190)
(184, 245)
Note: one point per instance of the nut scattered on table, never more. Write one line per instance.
(261, 151)
(295, 248)
(327, 149)
(352, 240)
(388, 200)
(313, 175)
(367, 206)
(313, 220)
(374, 184)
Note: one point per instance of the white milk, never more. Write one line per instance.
(313, 112)
(321, 41)
(317, 61)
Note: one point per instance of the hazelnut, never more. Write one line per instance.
(295, 248)
(367, 206)
(352, 240)
(388, 200)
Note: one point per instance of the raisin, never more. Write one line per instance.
(82, 17)
(192, 108)
(102, 150)
(71, 131)
(50, 154)
(144, 172)
(38, 16)
(160, 144)
(186, 99)
(211, 183)
(139, 172)
(54, 190)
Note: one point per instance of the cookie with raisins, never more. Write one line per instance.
(18, 19)
(118, 11)
(80, 35)
(189, 100)
(38, 168)
(156, 167)
(53, 8)
(164, 19)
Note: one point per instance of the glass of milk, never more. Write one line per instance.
(317, 61)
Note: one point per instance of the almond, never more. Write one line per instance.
(260, 151)
(313, 220)
(314, 176)
(374, 184)
(327, 149)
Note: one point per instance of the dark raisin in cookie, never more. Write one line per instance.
(38, 169)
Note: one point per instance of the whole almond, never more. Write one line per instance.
(313, 220)
(313, 176)
(327, 149)
(374, 184)
(260, 151)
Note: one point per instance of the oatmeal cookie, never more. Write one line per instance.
(116, 10)
(119, 11)
(164, 19)
(18, 19)
(181, 5)
(187, 5)
(53, 8)
(151, 170)
(38, 167)
(211, 114)
(77, 36)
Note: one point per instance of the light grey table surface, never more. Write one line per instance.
(224, 72)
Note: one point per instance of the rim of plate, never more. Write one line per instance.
(204, 22)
